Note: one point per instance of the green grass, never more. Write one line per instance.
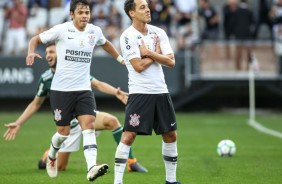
(258, 159)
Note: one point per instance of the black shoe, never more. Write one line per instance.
(134, 166)
(172, 183)
(41, 164)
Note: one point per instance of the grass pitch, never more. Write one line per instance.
(258, 159)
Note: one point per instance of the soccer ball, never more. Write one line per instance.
(226, 148)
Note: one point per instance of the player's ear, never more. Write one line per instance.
(131, 13)
(71, 14)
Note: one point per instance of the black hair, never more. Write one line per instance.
(50, 44)
(128, 6)
(74, 4)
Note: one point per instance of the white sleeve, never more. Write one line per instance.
(164, 43)
(51, 34)
(129, 47)
(101, 38)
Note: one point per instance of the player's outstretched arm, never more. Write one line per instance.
(14, 127)
(108, 89)
(33, 44)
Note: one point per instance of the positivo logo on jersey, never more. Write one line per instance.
(16, 75)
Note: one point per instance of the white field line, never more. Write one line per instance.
(263, 129)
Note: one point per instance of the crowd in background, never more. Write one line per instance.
(181, 19)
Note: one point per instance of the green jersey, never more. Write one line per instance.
(44, 87)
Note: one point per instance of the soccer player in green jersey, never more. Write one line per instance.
(104, 121)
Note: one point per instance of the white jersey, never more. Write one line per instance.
(151, 80)
(74, 54)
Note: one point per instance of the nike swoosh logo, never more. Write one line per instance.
(70, 38)
(172, 124)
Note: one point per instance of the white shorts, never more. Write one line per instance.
(72, 143)
(15, 40)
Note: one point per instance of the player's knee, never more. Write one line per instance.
(170, 136)
(128, 137)
(112, 122)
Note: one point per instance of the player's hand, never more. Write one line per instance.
(143, 49)
(122, 96)
(12, 131)
(158, 46)
(30, 58)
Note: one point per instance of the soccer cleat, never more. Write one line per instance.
(134, 166)
(42, 161)
(172, 183)
(97, 171)
(51, 167)
(41, 165)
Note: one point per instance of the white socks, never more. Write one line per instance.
(90, 147)
(120, 161)
(169, 152)
(56, 143)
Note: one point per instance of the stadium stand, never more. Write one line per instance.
(37, 22)
(57, 15)
(203, 67)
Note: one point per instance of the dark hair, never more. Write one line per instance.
(74, 4)
(128, 6)
(50, 44)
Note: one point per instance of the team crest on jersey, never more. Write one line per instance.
(57, 114)
(134, 121)
(91, 39)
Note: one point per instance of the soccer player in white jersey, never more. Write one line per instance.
(145, 49)
(103, 121)
(71, 93)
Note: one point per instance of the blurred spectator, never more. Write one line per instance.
(115, 17)
(243, 28)
(37, 3)
(208, 12)
(276, 17)
(160, 14)
(261, 16)
(3, 3)
(101, 13)
(55, 3)
(37, 20)
(185, 17)
(125, 21)
(6, 4)
(229, 20)
(112, 33)
(16, 33)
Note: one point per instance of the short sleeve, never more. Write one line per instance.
(164, 43)
(129, 47)
(101, 38)
(51, 34)
(41, 90)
